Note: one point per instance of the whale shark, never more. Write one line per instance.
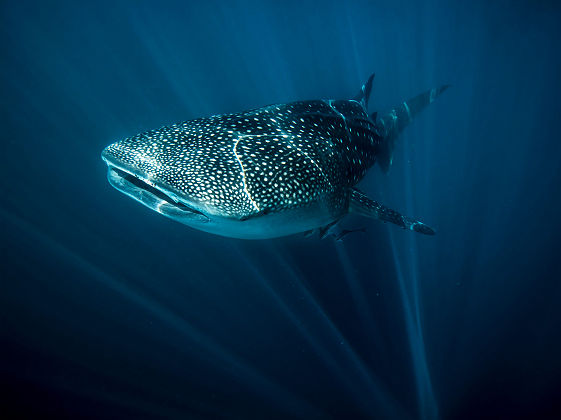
(268, 172)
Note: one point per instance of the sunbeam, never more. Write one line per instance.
(110, 308)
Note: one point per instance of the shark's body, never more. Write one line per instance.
(268, 172)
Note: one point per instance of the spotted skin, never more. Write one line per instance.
(267, 172)
(269, 159)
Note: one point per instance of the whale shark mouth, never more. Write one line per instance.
(152, 195)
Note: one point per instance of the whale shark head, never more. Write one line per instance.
(139, 176)
(177, 173)
(210, 177)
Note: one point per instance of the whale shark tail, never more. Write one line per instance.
(392, 123)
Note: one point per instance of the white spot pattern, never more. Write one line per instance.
(269, 159)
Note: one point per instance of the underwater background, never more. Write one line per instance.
(108, 310)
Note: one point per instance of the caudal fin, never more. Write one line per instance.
(393, 123)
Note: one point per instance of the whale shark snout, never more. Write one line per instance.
(147, 189)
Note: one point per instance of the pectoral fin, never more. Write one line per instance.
(361, 204)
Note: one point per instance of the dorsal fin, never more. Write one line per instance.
(363, 95)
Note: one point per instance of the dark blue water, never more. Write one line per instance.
(108, 310)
